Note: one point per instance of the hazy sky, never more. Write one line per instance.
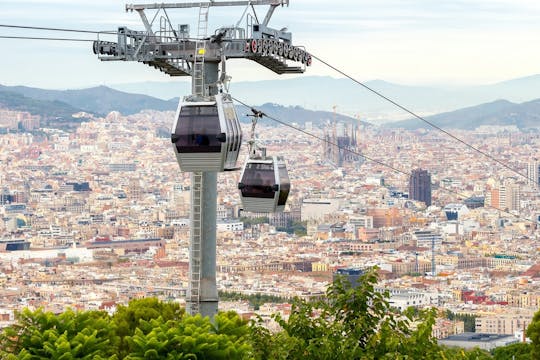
(405, 41)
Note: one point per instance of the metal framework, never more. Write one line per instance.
(172, 51)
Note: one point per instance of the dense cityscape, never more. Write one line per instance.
(392, 212)
(96, 217)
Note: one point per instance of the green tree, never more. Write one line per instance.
(461, 354)
(519, 351)
(192, 337)
(255, 300)
(127, 319)
(469, 320)
(248, 222)
(354, 323)
(70, 335)
(533, 333)
(299, 228)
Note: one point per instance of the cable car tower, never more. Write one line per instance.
(171, 50)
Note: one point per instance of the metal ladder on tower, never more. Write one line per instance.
(195, 248)
(200, 50)
(198, 89)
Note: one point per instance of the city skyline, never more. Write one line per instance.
(451, 42)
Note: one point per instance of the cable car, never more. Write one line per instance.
(206, 134)
(264, 184)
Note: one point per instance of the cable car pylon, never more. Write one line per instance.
(199, 300)
(206, 135)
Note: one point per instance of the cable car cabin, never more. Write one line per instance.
(264, 184)
(206, 134)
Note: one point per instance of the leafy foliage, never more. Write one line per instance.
(255, 300)
(248, 222)
(355, 323)
(469, 320)
(145, 329)
(192, 338)
(299, 228)
(70, 335)
(127, 319)
(533, 332)
(519, 351)
(460, 354)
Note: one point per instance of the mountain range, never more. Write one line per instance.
(54, 104)
(520, 107)
(496, 113)
(98, 100)
(323, 93)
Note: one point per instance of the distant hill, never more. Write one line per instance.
(500, 112)
(98, 100)
(45, 108)
(55, 113)
(297, 114)
(317, 93)
(323, 92)
(102, 100)
(61, 104)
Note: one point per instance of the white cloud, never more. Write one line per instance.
(412, 40)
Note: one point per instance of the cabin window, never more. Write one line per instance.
(198, 128)
(258, 181)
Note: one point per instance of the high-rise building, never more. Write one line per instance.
(510, 195)
(504, 196)
(533, 173)
(420, 186)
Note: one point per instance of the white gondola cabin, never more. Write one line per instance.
(206, 134)
(264, 184)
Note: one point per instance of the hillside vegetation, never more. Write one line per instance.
(350, 324)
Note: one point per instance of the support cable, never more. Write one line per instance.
(108, 32)
(454, 192)
(421, 118)
(43, 38)
(75, 39)
(288, 125)
(56, 29)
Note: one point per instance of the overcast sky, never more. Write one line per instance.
(404, 41)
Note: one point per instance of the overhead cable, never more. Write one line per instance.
(364, 156)
(284, 123)
(502, 163)
(55, 29)
(108, 32)
(42, 38)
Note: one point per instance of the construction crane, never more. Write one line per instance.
(172, 50)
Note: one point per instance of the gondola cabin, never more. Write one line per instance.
(264, 184)
(206, 134)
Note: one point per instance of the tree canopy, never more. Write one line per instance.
(350, 323)
(144, 329)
